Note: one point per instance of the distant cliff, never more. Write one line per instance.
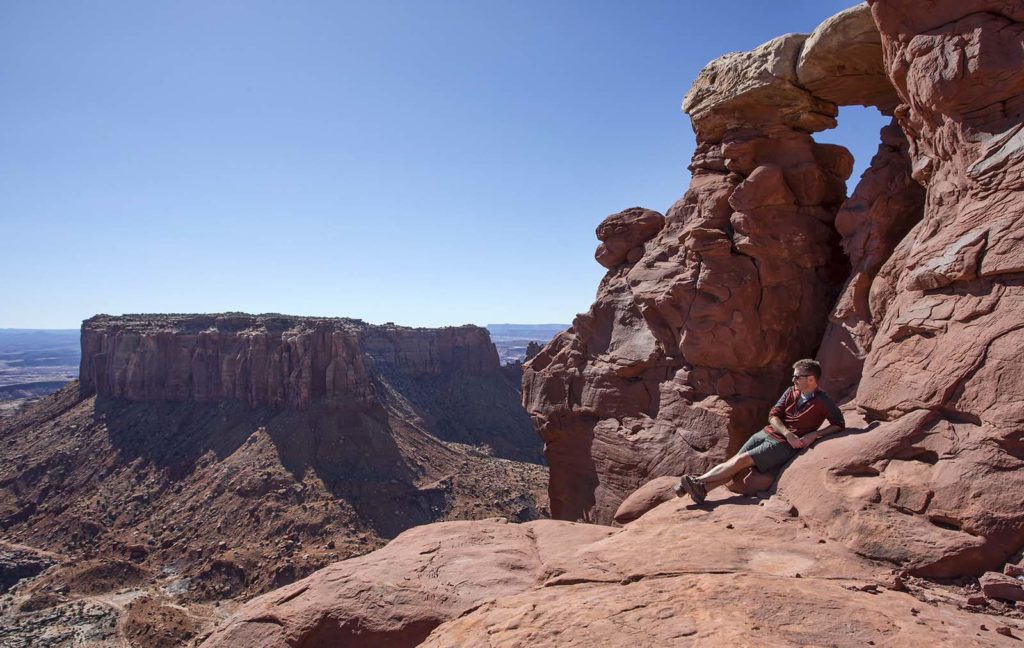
(270, 360)
(449, 379)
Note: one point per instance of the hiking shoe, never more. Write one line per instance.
(694, 488)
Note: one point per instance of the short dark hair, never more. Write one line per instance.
(807, 365)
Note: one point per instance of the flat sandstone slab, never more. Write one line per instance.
(733, 572)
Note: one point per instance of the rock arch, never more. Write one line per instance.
(695, 325)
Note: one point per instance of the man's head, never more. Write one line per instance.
(806, 373)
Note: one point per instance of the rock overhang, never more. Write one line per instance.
(802, 77)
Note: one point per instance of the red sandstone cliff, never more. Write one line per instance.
(267, 360)
(692, 333)
(452, 375)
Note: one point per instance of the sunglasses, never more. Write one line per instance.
(799, 376)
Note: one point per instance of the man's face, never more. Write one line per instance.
(804, 381)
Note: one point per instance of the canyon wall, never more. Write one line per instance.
(267, 360)
(448, 379)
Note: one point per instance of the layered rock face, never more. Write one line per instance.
(294, 362)
(938, 484)
(269, 360)
(885, 205)
(696, 323)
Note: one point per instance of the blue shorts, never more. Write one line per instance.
(767, 452)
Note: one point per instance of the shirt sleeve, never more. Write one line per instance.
(834, 414)
(779, 409)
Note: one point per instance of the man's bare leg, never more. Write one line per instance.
(725, 471)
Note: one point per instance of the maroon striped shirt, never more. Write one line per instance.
(806, 418)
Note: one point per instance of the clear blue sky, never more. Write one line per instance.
(426, 163)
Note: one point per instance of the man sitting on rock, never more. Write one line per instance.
(792, 424)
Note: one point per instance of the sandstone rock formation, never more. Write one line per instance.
(841, 61)
(937, 485)
(688, 344)
(622, 236)
(645, 498)
(764, 579)
(295, 362)
(532, 349)
(267, 359)
(885, 205)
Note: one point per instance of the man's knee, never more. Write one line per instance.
(743, 460)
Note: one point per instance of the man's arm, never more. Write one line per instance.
(775, 419)
(835, 418)
(780, 427)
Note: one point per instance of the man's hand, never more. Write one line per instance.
(817, 434)
(794, 440)
(808, 439)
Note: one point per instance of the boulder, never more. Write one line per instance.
(1001, 586)
(643, 499)
(1013, 570)
(625, 232)
(752, 482)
